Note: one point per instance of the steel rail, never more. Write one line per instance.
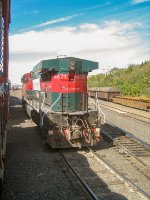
(111, 106)
(130, 136)
(121, 176)
(125, 149)
(82, 182)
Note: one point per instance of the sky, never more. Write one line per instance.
(115, 33)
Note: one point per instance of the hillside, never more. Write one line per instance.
(133, 81)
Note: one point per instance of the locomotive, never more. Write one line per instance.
(55, 96)
(4, 83)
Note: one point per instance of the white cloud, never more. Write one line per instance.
(112, 44)
(62, 19)
(139, 1)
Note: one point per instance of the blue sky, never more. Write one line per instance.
(27, 13)
(111, 32)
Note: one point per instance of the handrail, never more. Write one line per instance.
(79, 119)
(3, 97)
(41, 119)
(42, 101)
(2, 94)
(98, 108)
(61, 56)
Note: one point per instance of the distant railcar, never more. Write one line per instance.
(134, 102)
(55, 97)
(113, 94)
(106, 93)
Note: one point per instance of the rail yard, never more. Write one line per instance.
(134, 122)
(61, 140)
(114, 94)
(117, 168)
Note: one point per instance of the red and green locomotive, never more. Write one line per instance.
(55, 97)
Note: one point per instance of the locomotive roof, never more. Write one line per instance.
(63, 64)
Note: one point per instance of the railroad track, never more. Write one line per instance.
(104, 181)
(127, 113)
(129, 146)
(145, 120)
(98, 178)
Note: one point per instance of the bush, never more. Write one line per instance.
(133, 81)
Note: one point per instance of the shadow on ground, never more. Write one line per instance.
(33, 171)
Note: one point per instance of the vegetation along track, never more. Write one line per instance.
(99, 178)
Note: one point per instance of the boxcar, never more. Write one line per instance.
(106, 93)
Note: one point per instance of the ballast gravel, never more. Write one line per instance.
(33, 171)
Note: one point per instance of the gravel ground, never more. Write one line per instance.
(103, 182)
(122, 119)
(124, 164)
(33, 171)
(135, 111)
(133, 126)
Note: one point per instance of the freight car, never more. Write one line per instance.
(135, 102)
(106, 93)
(55, 96)
(113, 94)
(4, 85)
